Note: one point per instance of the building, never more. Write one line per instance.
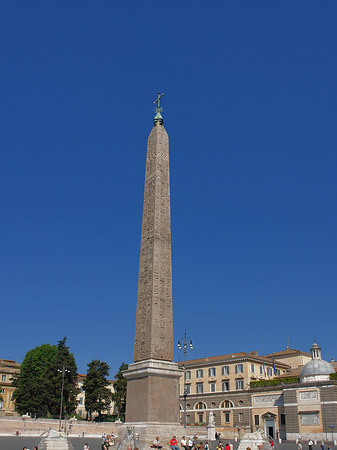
(220, 382)
(285, 402)
(8, 369)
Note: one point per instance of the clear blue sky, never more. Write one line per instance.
(250, 107)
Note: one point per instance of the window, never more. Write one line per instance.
(227, 417)
(226, 404)
(211, 372)
(200, 405)
(239, 385)
(225, 386)
(2, 391)
(252, 368)
(256, 420)
(1, 404)
(310, 418)
(278, 372)
(240, 417)
(261, 370)
(188, 374)
(80, 402)
(200, 373)
(283, 419)
(269, 371)
(201, 418)
(238, 368)
(188, 389)
(225, 370)
(3, 377)
(188, 419)
(200, 388)
(211, 387)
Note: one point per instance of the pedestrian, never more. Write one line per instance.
(190, 443)
(86, 446)
(156, 443)
(174, 443)
(36, 447)
(216, 435)
(322, 444)
(310, 444)
(206, 445)
(183, 443)
(299, 445)
(227, 446)
(219, 446)
(271, 443)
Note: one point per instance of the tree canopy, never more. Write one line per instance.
(31, 393)
(38, 386)
(119, 396)
(97, 394)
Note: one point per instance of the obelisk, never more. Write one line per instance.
(153, 379)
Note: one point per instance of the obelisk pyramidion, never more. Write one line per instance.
(153, 379)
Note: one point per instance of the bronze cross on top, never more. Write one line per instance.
(158, 108)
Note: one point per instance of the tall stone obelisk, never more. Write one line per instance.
(153, 379)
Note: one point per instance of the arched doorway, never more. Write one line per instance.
(269, 424)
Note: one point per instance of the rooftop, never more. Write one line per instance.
(252, 356)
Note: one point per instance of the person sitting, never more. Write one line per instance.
(156, 443)
(174, 443)
(184, 443)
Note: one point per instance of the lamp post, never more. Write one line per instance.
(182, 343)
(63, 371)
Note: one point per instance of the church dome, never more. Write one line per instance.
(316, 369)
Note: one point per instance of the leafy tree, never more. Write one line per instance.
(54, 374)
(38, 386)
(97, 395)
(31, 393)
(119, 396)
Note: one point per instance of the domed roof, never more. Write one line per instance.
(317, 367)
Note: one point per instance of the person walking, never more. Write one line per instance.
(310, 444)
(322, 444)
(299, 445)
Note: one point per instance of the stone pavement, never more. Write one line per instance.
(17, 443)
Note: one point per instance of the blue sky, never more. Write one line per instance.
(250, 109)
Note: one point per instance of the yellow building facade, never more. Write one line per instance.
(8, 369)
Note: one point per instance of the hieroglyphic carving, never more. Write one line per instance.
(154, 326)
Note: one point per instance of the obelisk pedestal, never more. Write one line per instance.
(152, 403)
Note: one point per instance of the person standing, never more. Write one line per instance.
(322, 444)
(86, 446)
(299, 445)
(310, 444)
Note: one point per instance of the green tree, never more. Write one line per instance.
(54, 375)
(31, 393)
(97, 395)
(119, 396)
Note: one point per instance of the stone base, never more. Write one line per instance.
(254, 444)
(153, 392)
(141, 435)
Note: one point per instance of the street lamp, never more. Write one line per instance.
(182, 343)
(63, 371)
